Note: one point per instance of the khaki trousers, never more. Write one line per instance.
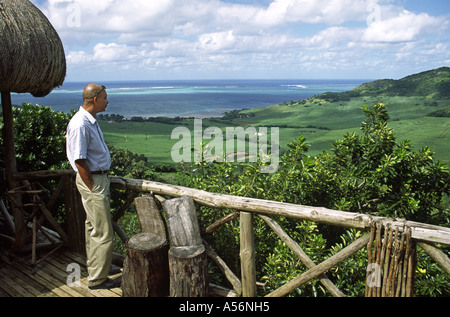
(98, 227)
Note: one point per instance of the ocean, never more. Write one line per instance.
(189, 98)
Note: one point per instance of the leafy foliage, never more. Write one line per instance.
(442, 112)
(368, 172)
(39, 135)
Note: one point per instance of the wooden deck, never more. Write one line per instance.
(49, 279)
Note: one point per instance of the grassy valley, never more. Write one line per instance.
(418, 106)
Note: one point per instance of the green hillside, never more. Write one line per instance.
(431, 84)
(418, 106)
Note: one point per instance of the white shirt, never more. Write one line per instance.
(84, 140)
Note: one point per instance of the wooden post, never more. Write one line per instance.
(11, 165)
(187, 258)
(146, 266)
(75, 216)
(395, 262)
(150, 217)
(188, 271)
(182, 222)
(247, 253)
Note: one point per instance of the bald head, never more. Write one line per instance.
(95, 98)
(91, 91)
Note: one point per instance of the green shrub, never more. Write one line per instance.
(368, 173)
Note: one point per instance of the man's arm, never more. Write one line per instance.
(85, 173)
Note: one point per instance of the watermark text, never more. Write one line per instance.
(237, 145)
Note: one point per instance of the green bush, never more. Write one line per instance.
(442, 112)
(39, 135)
(368, 173)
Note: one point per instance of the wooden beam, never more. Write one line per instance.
(440, 257)
(118, 214)
(218, 223)
(302, 255)
(420, 231)
(321, 268)
(231, 277)
(43, 174)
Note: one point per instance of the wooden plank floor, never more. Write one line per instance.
(50, 278)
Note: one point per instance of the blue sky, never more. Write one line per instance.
(213, 39)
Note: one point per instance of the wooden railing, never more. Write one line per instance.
(423, 234)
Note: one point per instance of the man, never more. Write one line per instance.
(90, 158)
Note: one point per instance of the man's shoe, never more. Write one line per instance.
(107, 284)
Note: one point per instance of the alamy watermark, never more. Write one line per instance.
(72, 15)
(74, 277)
(241, 145)
(73, 19)
(374, 277)
(374, 10)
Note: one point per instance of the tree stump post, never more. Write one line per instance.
(146, 265)
(188, 268)
(187, 258)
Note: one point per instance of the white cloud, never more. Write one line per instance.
(312, 11)
(78, 58)
(334, 37)
(111, 52)
(218, 41)
(166, 17)
(202, 36)
(436, 49)
(402, 28)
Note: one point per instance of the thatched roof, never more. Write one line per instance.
(31, 53)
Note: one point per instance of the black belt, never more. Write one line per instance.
(99, 172)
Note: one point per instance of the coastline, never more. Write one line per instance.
(190, 98)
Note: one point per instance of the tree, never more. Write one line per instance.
(370, 172)
(382, 176)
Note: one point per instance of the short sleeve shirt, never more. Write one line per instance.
(84, 141)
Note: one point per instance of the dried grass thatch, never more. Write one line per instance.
(31, 53)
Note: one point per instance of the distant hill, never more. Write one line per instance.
(418, 105)
(433, 84)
